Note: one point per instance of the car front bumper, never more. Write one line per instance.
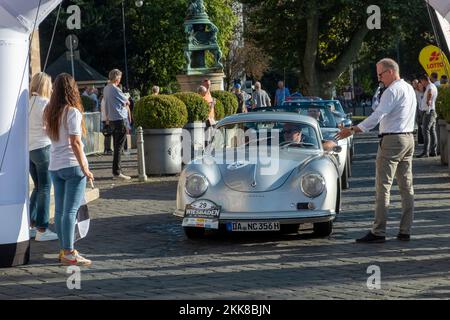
(290, 217)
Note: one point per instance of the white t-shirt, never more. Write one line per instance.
(37, 138)
(434, 93)
(61, 153)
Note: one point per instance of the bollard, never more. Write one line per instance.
(140, 154)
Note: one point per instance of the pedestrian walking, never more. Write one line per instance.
(116, 103)
(260, 97)
(281, 94)
(396, 115)
(69, 168)
(39, 150)
(428, 108)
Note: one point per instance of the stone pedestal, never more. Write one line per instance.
(192, 82)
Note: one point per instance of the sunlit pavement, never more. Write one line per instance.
(140, 252)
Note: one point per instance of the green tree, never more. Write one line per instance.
(320, 39)
(154, 33)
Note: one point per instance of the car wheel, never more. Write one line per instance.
(323, 229)
(289, 228)
(194, 233)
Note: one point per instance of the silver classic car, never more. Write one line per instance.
(263, 171)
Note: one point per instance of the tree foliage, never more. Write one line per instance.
(154, 37)
(320, 39)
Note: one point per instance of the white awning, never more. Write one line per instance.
(21, 15)
(441, 6)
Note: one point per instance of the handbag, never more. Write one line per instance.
(107, 130)
(83, 220)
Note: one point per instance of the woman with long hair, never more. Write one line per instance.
(39, 149)
(68, 167)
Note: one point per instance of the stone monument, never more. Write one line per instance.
(201, 40)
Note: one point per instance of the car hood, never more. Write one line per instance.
(263, 173)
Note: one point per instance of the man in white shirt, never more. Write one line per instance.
(428, 107)
(396, 114)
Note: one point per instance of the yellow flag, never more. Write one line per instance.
(433, 59)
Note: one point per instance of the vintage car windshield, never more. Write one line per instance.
(318, 111)
(271, 133)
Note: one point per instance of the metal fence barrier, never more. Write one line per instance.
(93, 142)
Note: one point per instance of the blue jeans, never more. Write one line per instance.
(70, 185)
(40, 197)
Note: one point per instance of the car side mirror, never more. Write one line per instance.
(337, 149)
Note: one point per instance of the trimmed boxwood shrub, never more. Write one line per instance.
(228, 99)
(219, 112)
(443, 104)
(88, 104)
(160, 112)
(197, 107)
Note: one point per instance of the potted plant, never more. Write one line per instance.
(162, 117)
(228, 100)
(197, 111)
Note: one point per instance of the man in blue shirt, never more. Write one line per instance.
(281, 94)
(116, 116)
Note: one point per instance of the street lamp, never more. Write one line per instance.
(137, 3)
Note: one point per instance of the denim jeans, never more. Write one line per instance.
(70, 185)
(40, 197)
(429, 133)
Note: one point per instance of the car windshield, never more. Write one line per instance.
(265, 133)
(320, 112)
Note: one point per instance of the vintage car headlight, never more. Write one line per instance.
(196, 185)
(312, 185)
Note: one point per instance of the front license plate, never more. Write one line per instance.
(202, 214)
(253, 226)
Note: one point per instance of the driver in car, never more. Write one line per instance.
(294, 133)
(315, 113)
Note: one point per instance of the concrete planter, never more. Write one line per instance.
(443, 141)
(197, 134)
(162, 150)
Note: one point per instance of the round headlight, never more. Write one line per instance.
(312, 185)
(196, 185)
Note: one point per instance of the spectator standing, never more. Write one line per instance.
(116, 116)
(396, 115)
(260, 97)
(155, 90)
(281, 94)
(63, 118)
(240, 98)
(428, 107)
(418, 89)
(39, 148)
(434, 79)
(211, 121)
(107, 132)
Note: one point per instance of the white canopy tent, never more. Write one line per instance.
(18, 19)
(442, 8)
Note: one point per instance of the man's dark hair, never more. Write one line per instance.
(424, 76)
(434, 75)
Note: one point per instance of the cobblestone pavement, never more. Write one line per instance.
(140, 252)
